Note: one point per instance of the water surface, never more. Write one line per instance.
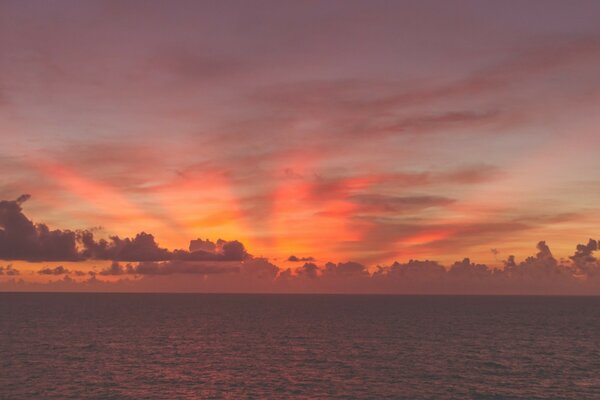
(164, 346)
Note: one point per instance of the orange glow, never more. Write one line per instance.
(426, 237)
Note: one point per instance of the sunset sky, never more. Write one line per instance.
(333, 131)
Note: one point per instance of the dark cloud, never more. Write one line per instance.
(60, 270)
(538, 274)
(466, 268)
(541, 274)
(179, 267)
(114, 269)
(345, 269)
(142, 247)
(9, 270)
(257, 268)
(21, 239)
(584, 260)
(226, 265)
(308, 270)
(416, 270)
(293, 258)
(202, 245)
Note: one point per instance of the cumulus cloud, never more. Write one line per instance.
(202, 245)
(584, 260)
(345, 269)
(541, 273)
(142, 247)
(21, 239)
(259, 268)
(227, 266)
(222, 250)
(308, 270)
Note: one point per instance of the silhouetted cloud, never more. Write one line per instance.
(9, 270)
(202, 245)
(345, 269)
(114, 269)
(538, 274)
(259, 268)
(223, 251)
(584, 260)
(416, 270)
(142, 247)
(168, 268)
(293, 258)
(227, 266)
(60, 270)
(21, 239)
(309, 270)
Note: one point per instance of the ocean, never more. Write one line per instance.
(188, 346)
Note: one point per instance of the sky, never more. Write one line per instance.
(286, 146)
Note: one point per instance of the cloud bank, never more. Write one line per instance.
(140, 264)
(21, 239)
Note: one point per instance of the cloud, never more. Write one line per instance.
(308, 270)
(227, 266)
(114, 269)
(293, 258)
(259, 268)
(584, 260)
(416, 270)
(60, 270)
(9, 270)
(358, 106)
(378, 203)
(21, 239)
(202, 245)
(168, 268)
(538, 274)
(142, 247)
(345, 269)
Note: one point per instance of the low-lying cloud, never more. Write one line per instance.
(294, 258)
(140, 264)
(21, 239)
(9, 271)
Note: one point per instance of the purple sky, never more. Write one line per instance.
(370, 131)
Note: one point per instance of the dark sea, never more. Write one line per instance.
(188, 346)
